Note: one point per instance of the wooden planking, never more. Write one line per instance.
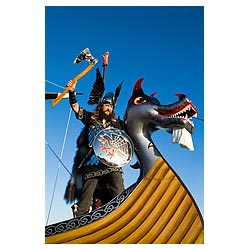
(128, 232)
(184, 226)
(194, 232)
(114, 232)
(97, 226)
(160, 210)
(145, 229)
(172, 202)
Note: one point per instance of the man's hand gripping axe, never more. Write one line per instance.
(84, 55)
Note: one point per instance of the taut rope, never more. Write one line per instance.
(59, 165)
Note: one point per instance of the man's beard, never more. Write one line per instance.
(108, 117)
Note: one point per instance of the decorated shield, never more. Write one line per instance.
(113, 147)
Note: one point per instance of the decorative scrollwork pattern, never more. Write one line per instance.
(85, 219)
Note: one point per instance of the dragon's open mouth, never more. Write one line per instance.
(185, 111)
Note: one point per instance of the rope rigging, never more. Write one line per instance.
(59, 158)
(55, 84)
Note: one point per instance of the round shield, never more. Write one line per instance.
(113, 147)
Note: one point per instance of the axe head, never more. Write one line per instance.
(86, 56)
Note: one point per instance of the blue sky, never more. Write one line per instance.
(165, 45)
(23, 111)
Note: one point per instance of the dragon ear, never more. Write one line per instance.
(137, 91)
(153, 94)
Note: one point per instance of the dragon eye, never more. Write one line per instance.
(139, 100)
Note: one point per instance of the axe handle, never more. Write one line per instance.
(84, 72)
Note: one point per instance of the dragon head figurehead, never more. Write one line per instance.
(177, 114)
(145, 114)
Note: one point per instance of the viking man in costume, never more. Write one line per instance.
(94, 178)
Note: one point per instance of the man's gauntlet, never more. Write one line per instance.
(72, 97)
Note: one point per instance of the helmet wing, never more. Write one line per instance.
(97, 89)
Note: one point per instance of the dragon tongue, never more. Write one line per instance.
(183, 137)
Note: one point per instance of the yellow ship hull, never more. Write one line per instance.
(159, 211)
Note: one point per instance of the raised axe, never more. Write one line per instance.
(86, 56)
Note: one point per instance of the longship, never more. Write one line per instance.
(158, 208)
